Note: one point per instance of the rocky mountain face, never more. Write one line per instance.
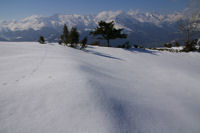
(147, 29)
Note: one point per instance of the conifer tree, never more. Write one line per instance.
(64, 37)
(108, 32)
(73, 37)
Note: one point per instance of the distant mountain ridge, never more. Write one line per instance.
(143, 28)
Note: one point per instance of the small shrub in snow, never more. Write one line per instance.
(41, 40)
(83, 43)
(189, 46)
(168, 45)
(60, 42)
(135, 46)
(177, 44)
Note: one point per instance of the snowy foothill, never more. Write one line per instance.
(51, 88)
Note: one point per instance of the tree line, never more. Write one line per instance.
(106, 31)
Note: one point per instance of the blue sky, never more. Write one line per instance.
(17, 9)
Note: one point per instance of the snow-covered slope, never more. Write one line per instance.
(55, 89)
(152, 27)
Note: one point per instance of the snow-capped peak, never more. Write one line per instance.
(133, 22)
(31, 18)
(108, 15)
(37, 22)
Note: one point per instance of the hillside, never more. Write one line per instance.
(56, 89)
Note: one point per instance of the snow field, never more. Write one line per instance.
(56, 89)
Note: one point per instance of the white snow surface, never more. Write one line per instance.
(55, 89)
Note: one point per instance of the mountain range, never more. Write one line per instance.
(147, 29)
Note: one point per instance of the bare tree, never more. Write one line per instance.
(188, 27)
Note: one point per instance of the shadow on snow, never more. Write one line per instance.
(142, 51)
(102, 54)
